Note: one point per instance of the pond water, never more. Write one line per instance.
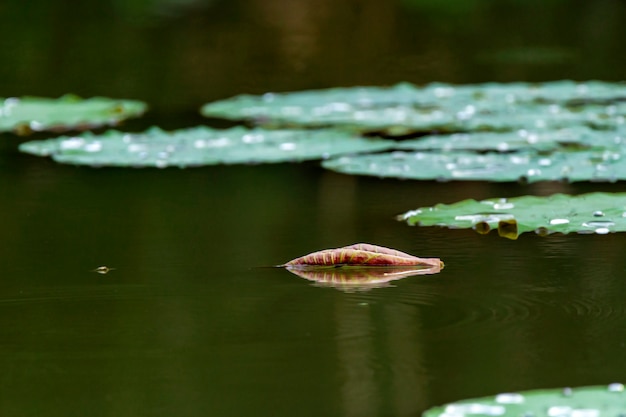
(191, 321)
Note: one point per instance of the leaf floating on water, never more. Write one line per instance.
(361, 254)
(528, 165)
(594, 401)
(356, 278)
(201, 146)
(405, 108)
(33, 114)
(594, 213)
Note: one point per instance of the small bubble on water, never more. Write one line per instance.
(559, 221)
(616, 387)
(567, 392)
(598, 213)
(287, 146)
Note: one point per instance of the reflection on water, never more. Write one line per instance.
(355, 278)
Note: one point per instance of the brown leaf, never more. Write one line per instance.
(361, 254)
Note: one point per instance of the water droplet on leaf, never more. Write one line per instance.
(509, 398)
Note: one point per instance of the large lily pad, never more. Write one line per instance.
(595, 401)
(599, 213)
(405, 108)
(200, 146)
(527, 166)
(32, 114)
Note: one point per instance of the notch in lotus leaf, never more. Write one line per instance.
(593, 213)
(32, 114)
(592, 401)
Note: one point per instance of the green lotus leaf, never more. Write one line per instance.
(540, 140)
(601, 164)
(599, 213)
(200, 146)
(33, 114)
(405, 109)
(594, 401)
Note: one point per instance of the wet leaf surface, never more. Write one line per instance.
(571, 138)
(594, 401)
(596, 164)
(598, 213)
(201, 146)
(34, 114)
(405, 108)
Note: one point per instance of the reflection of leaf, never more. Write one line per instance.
(593, 401)
(359, 277)
(599, 213)
(362, 254)
(32, 114)
(200, 146)
(405, 108)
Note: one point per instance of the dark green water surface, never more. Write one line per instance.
(190, 323)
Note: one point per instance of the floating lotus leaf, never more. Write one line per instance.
(355, 278)
(576, 137)
(31, 114)
(200, 146)
(528, 166)
(361, 254)
(599, 213)
(405, 108)
(595, 401)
